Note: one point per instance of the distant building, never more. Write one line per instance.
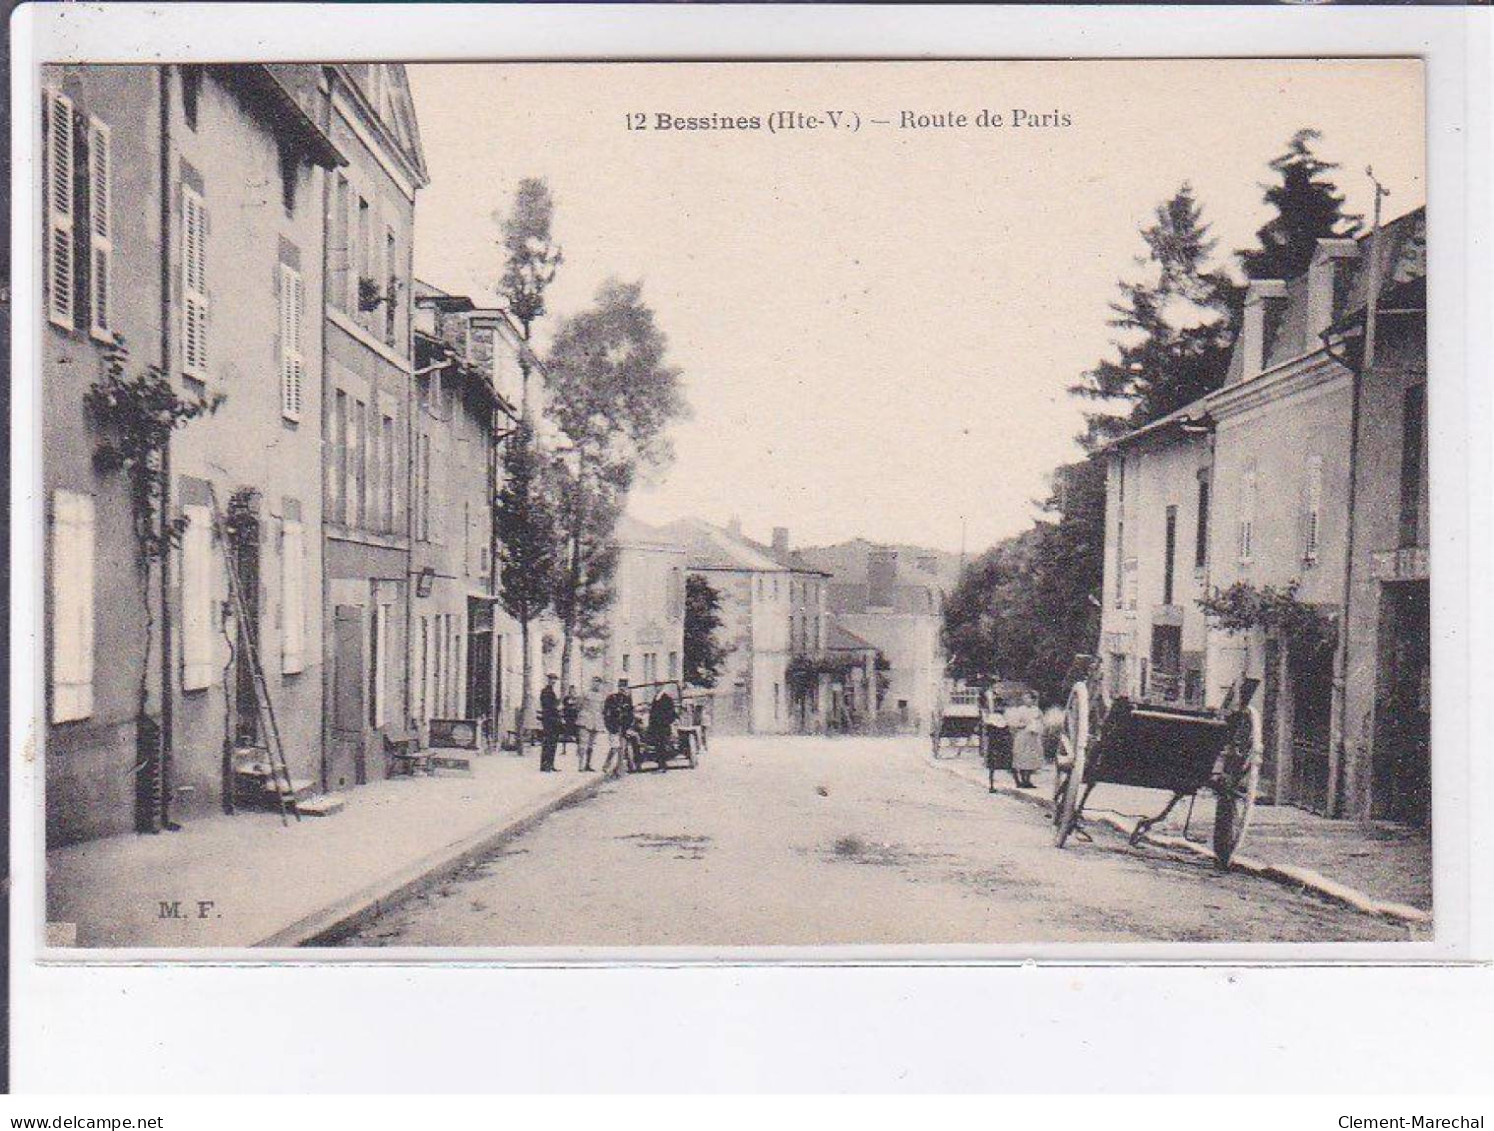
(772, 610)
(1261, 483)
(893, 597)
(646, 623)
(455, 641)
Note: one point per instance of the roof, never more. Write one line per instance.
(711, 547)
(838, 639)
(633, 532)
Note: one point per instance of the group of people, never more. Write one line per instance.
(1014, 735)
(574, 718)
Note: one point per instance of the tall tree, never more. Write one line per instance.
(591, 502)
(527, 546)
(1174, 326)
(613, 395)
(1308, 207)
(704, 652)
(530, 260)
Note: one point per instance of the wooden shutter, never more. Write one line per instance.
(72, 606)
(1312, 511)
(100, 229)
(293, 598)
(197, 599)
(61, 266)
(292, 361)
(194, 285)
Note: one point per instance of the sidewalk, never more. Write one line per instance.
(1380, 868)
(268, 885)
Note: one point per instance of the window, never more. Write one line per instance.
(1170, 550)
(61, 266)
(626, 658)
(777, 694)
(1312, 510)
(1245, 536)
(1413, 447)
(293, 598)
(420, 685)
(365, 255)
(357, 464)
(1201, 534)
(1273, 322)
(425, 487)
(387, 284)
(197, 599)
(379, 639)
(337, 466)
(339, 255)
(72, 606)
(292, 363)
(1117, 679)
(386, 457)
(100, 229)
(194, 285)
(191, 93)
(674, 665)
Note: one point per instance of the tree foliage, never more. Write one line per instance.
(590, 504)
(611, 389)
(1174, 326)
(526, 529)
(1025, 607)
(530, 255)
(704, 653)
(1308, 207)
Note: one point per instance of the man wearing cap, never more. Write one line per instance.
(618, 718)
(550, 724)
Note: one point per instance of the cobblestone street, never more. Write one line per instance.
(793, 841)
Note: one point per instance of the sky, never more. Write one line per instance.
(877, 326)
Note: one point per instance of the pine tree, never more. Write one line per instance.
(1308, 207)
(1174, 326)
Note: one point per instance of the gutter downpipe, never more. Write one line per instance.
(1338, 752)
(163, 88)
(328, 653)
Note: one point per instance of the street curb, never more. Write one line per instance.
(347, 915)
(1287, 875)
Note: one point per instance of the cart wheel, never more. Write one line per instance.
(1236, 788)
(1069, 776)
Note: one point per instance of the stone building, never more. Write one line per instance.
(184, 214)
(368, 400)
(771, 612)
(456, 642)
(1249, 488)
(646, 623)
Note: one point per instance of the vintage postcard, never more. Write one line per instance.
(578, 509)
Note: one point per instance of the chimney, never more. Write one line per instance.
(734, 526)
(1253, 333)
(780, 540)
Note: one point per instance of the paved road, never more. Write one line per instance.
(794, 841)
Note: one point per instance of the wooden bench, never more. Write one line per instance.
(405, 757)
(453, 742)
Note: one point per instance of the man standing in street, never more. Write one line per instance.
(617, 717)
(550, 724)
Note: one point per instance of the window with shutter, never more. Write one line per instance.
(197, 599)
(1247, 516)
(292, 361)
(61, 268)
(194, 286)
(72, 606)
(293, 598)
(100, 229)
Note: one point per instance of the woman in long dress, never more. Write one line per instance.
(1026, 724)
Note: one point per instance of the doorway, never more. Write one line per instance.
(1312, 712)
(345, 757)
(479, 659)
(1403, 730)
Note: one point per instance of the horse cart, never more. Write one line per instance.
(680, 740)
(957, 724)
(1163, 746)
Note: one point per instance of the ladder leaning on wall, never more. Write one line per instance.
(283, 787)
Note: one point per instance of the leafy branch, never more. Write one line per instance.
(1244, 607)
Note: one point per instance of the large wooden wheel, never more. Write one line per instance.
(1239, 777)
(1068, 779)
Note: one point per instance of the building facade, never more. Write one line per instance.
(222, 168)
(367, 413)
(1260, 490)
(646, 623)
(456, 646)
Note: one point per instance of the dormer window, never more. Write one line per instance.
(1273, 323)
